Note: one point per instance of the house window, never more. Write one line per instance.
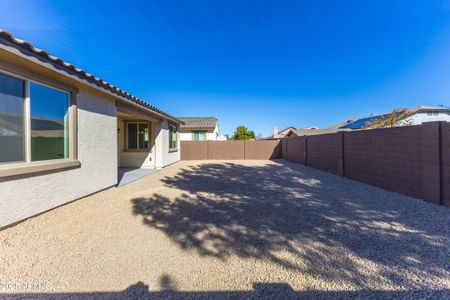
(49, 123)
(12, 119)
(173, 142)
(34, 121)
(137, 135)
(199, 136)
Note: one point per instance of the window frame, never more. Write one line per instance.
(28, 166)
(125, 144)
(199, 132)
(173, 128)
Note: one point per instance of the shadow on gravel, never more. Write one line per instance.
(302, 219)
(260, 291)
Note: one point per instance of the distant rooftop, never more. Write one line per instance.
(208, 123)
(431, 108)
(357, 123)
(361, 123)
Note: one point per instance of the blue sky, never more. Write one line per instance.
(255, 63)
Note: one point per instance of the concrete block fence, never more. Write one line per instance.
(230, 150)
(412, 160)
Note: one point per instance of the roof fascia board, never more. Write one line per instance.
(197, 129)
(125, 107)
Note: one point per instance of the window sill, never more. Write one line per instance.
(36, 167)
(137, 150)
(173, 150)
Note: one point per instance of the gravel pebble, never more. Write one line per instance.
(232, 229)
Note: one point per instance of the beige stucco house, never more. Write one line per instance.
(65, 133)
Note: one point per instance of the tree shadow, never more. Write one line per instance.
(260, 291)
(303, 220)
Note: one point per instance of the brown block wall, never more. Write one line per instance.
(226, 149)
(232, 150)
(445, 163)
(412, 160)
(431, 176)
(284, 148)
(321, 152)
(387, 158)
(194, 150)
(264, 149)
(296, 150)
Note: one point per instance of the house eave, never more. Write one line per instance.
(40, 57)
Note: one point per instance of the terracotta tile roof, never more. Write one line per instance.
(198, 122)
(72, 70)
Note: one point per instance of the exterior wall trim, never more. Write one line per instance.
(36, 167)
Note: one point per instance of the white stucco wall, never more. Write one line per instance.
(186, 136)
(423, 117)
(24, 196)
(210, 135)
(165, 155)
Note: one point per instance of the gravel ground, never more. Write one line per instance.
(237, 229)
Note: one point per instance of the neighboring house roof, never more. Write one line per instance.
(424, 108)
(207, 123)
(12, 125)
(361, 123)
(300, 132)
(286, 130)
(354, 124)
(292, 131)
(30, 50)
(46, 124)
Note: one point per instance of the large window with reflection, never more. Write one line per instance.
(34, 121)
(49, 123)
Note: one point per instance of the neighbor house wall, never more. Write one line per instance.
(423, 117)
(27, 195)
(211, 135)
(186, 136)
